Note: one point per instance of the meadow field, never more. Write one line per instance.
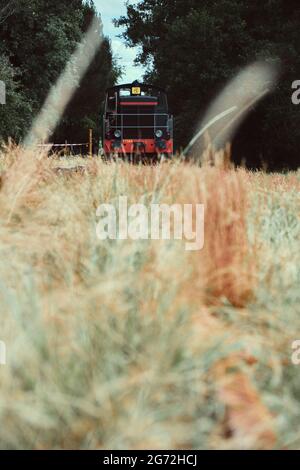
(142, 344)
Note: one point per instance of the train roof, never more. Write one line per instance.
(136, 83)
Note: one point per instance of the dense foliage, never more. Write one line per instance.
(193, 47)
(37, 38)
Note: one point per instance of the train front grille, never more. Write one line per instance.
(140, 125)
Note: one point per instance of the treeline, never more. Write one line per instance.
(37, 38)
(192, 47)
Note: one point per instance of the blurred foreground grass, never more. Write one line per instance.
(126, 345)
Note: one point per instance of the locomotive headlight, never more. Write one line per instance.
(159, 133)
(117, 134)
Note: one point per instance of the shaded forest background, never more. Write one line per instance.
(190, 47)
(37, 37)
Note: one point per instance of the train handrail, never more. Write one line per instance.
(119, 118)
(155, 125)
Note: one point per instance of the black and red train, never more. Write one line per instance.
(137, 122)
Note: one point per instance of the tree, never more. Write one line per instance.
(85, 109)
(38, 40)
(16, 113)
(193, 47)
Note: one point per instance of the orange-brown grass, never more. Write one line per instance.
(122, 344)
(227, 261)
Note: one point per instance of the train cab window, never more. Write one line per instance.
(124, 93)
(112, 103)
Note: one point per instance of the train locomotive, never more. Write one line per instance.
(137, 122)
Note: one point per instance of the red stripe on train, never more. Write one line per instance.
(139, 103)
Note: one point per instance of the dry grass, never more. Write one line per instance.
(141, 344)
